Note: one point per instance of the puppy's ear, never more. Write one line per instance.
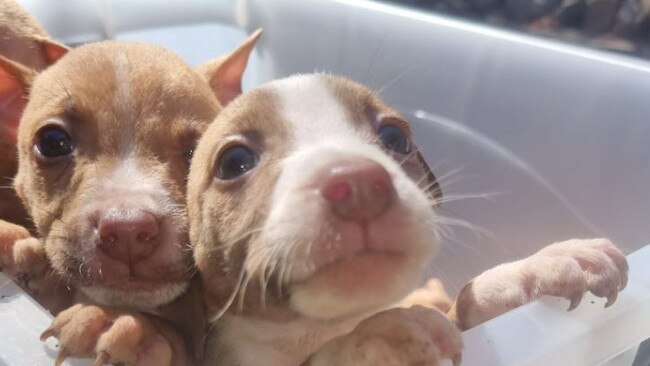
(51, 51)
(224, 74)
(434, 191)
(15, 80)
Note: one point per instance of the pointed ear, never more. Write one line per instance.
(52, 51)
(15, 80)
(224, 74)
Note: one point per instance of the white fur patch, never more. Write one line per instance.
(314, 112)
(128, 176)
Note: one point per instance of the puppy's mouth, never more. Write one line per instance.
(361, 272)
(370, 266)
(351, 282)
(136, 294)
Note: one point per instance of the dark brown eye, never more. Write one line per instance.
(189, 154)
(235, 161)
(54, 142)
(394, 139)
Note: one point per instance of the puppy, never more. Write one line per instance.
(104, 148)
(23, 40)
(311, 212)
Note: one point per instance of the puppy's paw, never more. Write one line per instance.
(431, 295)
(9, 234)
(594, 265)
(566, 269)
(114, 336)
(23, 258)
(413, 336)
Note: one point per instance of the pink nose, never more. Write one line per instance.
(359, 190)
(127, 235)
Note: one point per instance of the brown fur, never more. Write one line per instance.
(146, 108)
(24, 41)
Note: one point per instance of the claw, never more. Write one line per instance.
(575, 301)
(63, 354)
(102, 359)
(611, 299)
(49, 332)
(456, 359)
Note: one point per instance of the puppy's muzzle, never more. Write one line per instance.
(359, 190)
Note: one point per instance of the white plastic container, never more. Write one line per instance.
(556, 136)
(539, 334)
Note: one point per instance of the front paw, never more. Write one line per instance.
(413, 336)
(594, 265)
(23, 258)
(9, 235)
(566, 269)
(114, 336)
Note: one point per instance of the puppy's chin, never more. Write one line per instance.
(136, 298)
(366, 283)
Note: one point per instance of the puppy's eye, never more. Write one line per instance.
(189, 154)
(235, 161)
(54, 142)
(394, 139)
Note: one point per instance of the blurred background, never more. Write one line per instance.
(616, 25)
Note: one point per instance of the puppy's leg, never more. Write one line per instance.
(116, 336)
(23, 258)
(567, 269)
(9, 234)
(431, 295)
(414, 336)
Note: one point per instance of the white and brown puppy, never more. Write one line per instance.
(105, 143)
(311, 209)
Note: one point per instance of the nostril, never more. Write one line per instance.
(337, 191)
(108, 238)
(358, 190)
(146, 227)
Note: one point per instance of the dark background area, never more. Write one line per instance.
(616, 25)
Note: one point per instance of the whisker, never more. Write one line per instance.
(395, 80)
(232, 296)
(236, 240)
(452, 198)
(375, 56)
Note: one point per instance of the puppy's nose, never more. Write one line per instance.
(359, 190)
(127, 235)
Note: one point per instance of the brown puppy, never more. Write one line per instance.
(23, 40)
(104, 143)
(307, 216)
